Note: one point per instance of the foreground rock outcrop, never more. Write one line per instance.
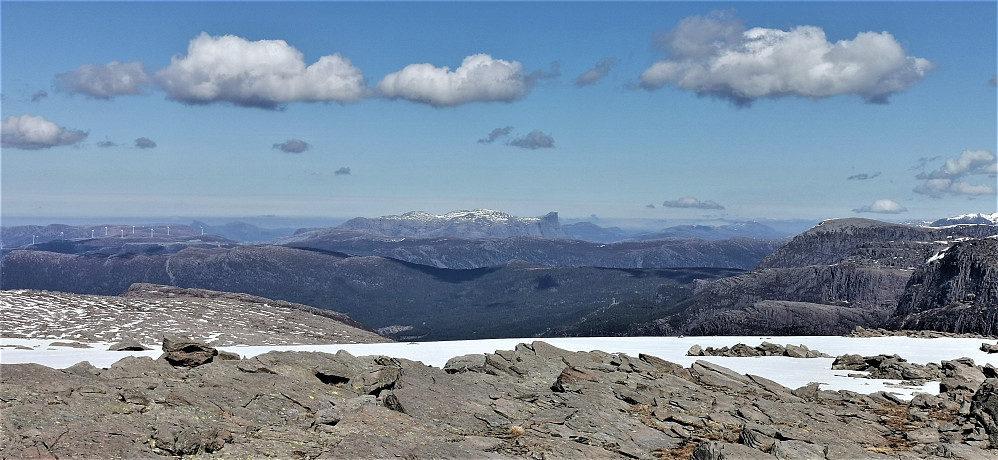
(535, 401)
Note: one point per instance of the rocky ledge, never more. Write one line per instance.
(765, 349)
(863, 332)
(535, 401)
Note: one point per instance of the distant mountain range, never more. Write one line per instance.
(480, 223)
(408, 301)
(476, 274)
(469, 253)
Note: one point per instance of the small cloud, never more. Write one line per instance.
(32, 133)
(994, 80)
(106, 144)
(264, 74)
(650, 206)
(690, 202)
(716, 56)
(344, 171)
(595, 74)
(863, 176)
(495, 134)
(113, 79)
(41, 94)
(144, 143)
(293, 146)
(480, 78)
(882, 207)
(534, 140)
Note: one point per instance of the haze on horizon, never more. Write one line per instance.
(655, 110)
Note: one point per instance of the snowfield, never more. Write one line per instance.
(790, 372)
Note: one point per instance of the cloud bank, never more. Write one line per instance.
(533, 140)
(480, 78)
(104, 82)
(950, 178)
(882, 207)
(690, 202)
(716, 56)
(264, 73)
(293, 146)
(597, 73)
(32, 133)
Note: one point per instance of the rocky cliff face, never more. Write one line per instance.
(480, 223)
(956, 290)
(840, 274)
(865, 240)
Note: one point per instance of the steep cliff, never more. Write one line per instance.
(956, 290)
(840, 274)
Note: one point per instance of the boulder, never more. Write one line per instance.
(465, 363)
(850, 362)
(181, 351)
(961, 378)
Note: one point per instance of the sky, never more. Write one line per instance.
(646, 110)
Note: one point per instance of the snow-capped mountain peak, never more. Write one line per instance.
(478, 223)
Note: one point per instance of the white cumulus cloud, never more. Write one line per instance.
(34, 132)
(951, 177)
(264, 73)
(716, 56)
(104, 82)
(882, 207)
(480, 78)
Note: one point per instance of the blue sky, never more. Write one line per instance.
(657, 110)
